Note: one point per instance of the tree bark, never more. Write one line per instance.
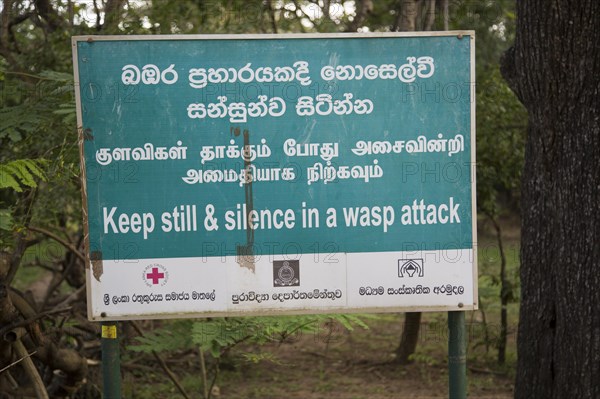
(430, 15)
(112, 14)
(410, 337)
(363, 8)
(446, 13)
(553, 68)
(407, 16)
(504, 293)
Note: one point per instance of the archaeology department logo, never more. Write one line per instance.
(286, 273)
(410, 268)
(155, 274)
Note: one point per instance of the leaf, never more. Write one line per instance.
(6, 219)
(348, 320)
(14, 135)
(173, 336)
(56, 76)
(14, 121)
(68, 111)
(8, 181)
(19, 169)
(22, 172)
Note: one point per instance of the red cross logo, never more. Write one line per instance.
(155, 276)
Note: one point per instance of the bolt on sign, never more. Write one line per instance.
(277, 174)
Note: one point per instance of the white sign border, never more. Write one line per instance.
(460, 34)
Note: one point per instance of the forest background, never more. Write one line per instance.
(41, 238)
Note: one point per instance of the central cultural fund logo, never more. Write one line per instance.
(410, 268)
(155, 275)
(286, 273)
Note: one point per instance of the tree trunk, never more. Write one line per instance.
(407, 16)
(504, 294)
(554, 68)
(410, 337)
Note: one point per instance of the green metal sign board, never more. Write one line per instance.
(277, 173)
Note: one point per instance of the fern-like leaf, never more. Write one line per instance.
(22, 172)
(6, 219)
(18, 121)
(174, 336)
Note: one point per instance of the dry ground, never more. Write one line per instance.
(342, 365)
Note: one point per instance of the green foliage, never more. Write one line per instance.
(38, 142)
(256, 358)
(174, 336)
(490, 286)
(16, 122)
(501, 125)
(6, 221)
(218, 335)
(38, 136)
(424, 358)
(22, 172)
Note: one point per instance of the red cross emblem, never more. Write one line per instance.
(155, 276)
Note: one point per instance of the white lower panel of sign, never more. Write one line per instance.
(308, 283)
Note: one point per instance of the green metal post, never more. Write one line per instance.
(457, 356)
(111, 361)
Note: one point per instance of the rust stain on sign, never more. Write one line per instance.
(245, 258)
(97, 267)
(245, 253)
(87, 134)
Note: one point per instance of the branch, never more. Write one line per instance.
(272, 16)
(20, 18)
(17, 362)
(203, 371)
(49, 14)
(30, 369)
(112, 13)
(21, 243)
(7, 6)
(28, 312)
(70, 262)
(30, 76)
(66, 244)
(364, 8)
(214, 380)
(162, 363)
(71, 362)
(8, 43)
(97, 12)
(407, 16)
(30, 320)
(74, 296)
(430, 15)
(446, 13)
(5, 52)
(68, 360)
